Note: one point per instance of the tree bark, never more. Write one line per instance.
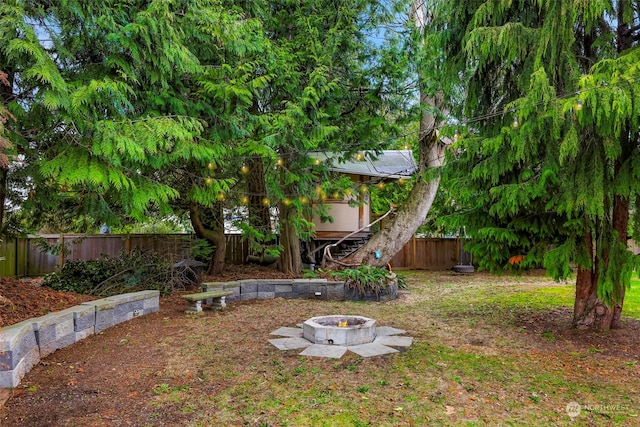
(6, 92)
(290, 260)
(259, 215)
(589, 312)
(214, 235)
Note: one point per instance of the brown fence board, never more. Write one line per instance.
(24, 257)
(427, 254)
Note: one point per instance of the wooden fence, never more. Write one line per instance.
(28, 256)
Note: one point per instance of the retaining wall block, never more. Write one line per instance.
(266, 286)
(54, 331)
(247, 285)
(84, 320)
(210, 286)
(104, 309)
(151, 301)
(284, 291)
(128, 306)
(19, 352)
(317, 291)
(335, 290)
(248, 289)
(300, 288)
(266, 295)
(266, 289)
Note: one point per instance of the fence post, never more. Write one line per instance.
(61, 251)
(413, 257)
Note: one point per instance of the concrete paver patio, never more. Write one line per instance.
(386, 338)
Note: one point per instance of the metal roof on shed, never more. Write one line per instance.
(392, 164)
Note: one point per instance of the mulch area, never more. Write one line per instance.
(22, 299)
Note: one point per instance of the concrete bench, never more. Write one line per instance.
(217, 297)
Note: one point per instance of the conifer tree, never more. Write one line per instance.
(112, 100)
(321, 96)
(546, 173)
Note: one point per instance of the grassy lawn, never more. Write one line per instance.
(487, 351)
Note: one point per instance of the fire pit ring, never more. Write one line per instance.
(339, 330)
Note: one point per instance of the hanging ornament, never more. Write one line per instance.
(457, 136)
(577, 106)
(221, 196)
(380, 185)
(317, 162)
(287, 201)
(406, 146)
(515, 123)
(244, 169)
(280, 161)
(364, 189)
(336, 195)
(244, 200)
(266, 201)
(359, 156)
(211, 166)
(208, 180)
(303, 200)
(402, 181)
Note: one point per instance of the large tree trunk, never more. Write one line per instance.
(215, 235)
(397, 232)
(4, 172)
(6, 92)
(290, 260)
(589, 312)
(259, 215)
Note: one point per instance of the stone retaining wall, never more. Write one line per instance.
(23, 344)
(279, 288)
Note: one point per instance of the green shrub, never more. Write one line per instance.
(364, 278)
(127, 272)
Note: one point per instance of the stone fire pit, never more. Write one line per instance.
(339, 330)
(333, 335)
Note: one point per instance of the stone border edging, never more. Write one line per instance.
(249, 289)
(23, 344)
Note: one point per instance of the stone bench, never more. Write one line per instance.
(217, 298)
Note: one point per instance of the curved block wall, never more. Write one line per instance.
(23, 344)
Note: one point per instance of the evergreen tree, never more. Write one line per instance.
(112, 102)
(547, 171)
(321, 96)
